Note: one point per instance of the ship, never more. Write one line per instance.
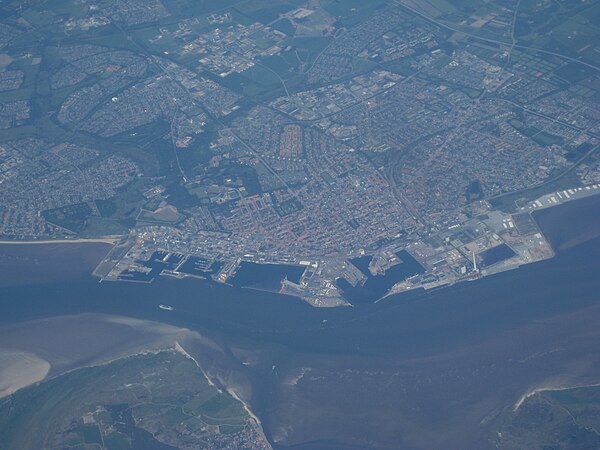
(166, 307)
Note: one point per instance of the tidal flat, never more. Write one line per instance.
(428, 369)
(32, 350)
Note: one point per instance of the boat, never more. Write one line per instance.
(166, 307)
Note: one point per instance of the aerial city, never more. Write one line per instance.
(328, 224)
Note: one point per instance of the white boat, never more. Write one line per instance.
(166, 307)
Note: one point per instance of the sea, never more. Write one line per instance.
(405, 336)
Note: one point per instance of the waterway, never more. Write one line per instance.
(562, 230)
(266, 276)
(375, 375)
(376, 286)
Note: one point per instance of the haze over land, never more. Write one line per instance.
(334, 140)
(194, 193)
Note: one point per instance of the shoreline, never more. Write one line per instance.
(535, 391)
(151, 338)
(230, 390)
(179, 348)
(20, 369)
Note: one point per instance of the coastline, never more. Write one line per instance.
(535, 391)
(19, 369)
(395, 333)
(22, 365)
(179, 348)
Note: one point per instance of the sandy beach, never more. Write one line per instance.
(19, 369)
(558, 387)
(36, 350)
(31, 351)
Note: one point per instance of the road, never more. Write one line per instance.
(493, 41)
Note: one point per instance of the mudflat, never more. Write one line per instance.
(31, 350)
(19, 369)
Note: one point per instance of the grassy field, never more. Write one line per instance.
(568, 418)
(352, 12)
(123, 404)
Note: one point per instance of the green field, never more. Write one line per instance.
(352, 12)
(70, 217)
(123, 404)
(563, 419)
